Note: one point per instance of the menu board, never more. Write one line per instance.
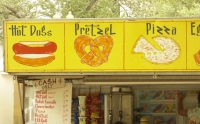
(53, 106)
(153, 45)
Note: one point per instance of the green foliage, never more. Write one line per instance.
(163, 8)
(80, 8)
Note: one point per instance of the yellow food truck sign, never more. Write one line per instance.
(102, 45)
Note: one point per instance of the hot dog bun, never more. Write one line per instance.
(34, 53)
(26, 59)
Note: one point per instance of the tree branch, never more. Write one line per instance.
(90, 5)
(13, 12)
(123, 8)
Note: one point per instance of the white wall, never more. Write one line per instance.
(6, 94)
(6, 99)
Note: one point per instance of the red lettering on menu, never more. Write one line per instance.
(41, 92)
(41, 120)
(45, 103)
(39, 101)
(41, 96)
(44, 106)
(50, 102)
(41, 115)
(40, 111)
(42, 102)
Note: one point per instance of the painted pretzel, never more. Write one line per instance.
(95, 56)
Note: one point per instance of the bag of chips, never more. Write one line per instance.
(81, 112)
(81, 100)
(82, 120)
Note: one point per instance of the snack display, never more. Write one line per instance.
(170, 94)
(94, 115)
(74, 109)
(95, 56)
(145, 95)
(34, 53)
(95, 98)
(88, 108)
(87, 111)
(82, 100)
(163, 108)
(145, 107)
(101, 98)
(82, 120)
(190, 91)
(74, 113)
(88, 120)
(159, 105)
(170, 50)
(74, 120)
(94, 121)
(170, 108)
(95, 105)
(158, 108)
(164, 120)
(158, 94)
(81, 111)
(75, 102)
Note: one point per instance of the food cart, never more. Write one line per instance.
(133, 67)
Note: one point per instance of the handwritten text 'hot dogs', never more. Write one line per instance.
(20, 30)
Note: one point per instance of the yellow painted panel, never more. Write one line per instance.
(193, 45)
(167, 45)
(137, 50)
(101, 40)
(34, 33)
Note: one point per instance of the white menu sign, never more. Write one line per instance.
(53, 106)
(48, 83)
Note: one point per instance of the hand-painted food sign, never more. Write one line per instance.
(197, 58)
(95, 56)
(102, 46)
(170, 50)
(34, 53)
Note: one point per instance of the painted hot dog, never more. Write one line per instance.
(34, 47)
(34, 53)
